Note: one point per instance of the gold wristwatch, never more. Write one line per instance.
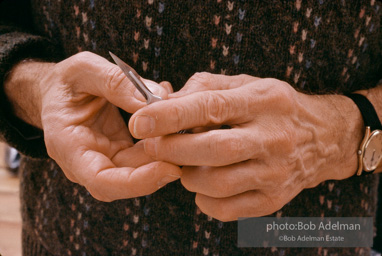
(370, 150)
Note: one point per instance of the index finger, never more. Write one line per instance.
(207, 108)
(218, 100)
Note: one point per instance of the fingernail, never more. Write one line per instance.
(143, 126)
(167, 179)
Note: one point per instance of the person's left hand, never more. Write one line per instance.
(280, 142)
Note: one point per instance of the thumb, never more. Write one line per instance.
(95, 75)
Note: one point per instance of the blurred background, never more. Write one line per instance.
(10, 219)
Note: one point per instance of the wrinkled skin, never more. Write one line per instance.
(280, 142)
(75, 103)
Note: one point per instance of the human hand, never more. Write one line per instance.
(76, 104)
(280, 142)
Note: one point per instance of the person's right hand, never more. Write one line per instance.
(75, 103)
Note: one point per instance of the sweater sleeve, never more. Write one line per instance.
(16, 45)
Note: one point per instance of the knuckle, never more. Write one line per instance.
(85, 55)
(79, 59)
(276, 203)
(271, 203)
(187, 184)
(177, 114)
(216, 209)
(99, 197)
(234, 148)
(245, 77)
(227, 147)
(54, 145)
(70, 69)
(69, 177)
(288, 140)
(96, 194)
(49, 144)
(224, 214)
(216, 107)
(227, 218)
(285, 136)
(187, 178)
(94, 186)
(200, 80)
(281, 176)
(281, 93)
(114, 79)
(201, 77)
(281, 141)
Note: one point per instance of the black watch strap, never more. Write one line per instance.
(369, 115)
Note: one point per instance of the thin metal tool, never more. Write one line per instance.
(136, 80)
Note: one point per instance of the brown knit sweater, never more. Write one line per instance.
(318, 46)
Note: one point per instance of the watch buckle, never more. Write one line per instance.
(361, 150)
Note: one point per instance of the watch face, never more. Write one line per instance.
(373, 151)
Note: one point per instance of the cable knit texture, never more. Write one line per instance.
(318, 46)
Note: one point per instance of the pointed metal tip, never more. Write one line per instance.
(112, 54)
(115, 58)
(135, 79)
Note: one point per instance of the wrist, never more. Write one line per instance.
(22, 88)
(370, 106)
(338, 132)
(352, 132)
(374, 95)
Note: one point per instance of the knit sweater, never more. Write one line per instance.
(317, 46)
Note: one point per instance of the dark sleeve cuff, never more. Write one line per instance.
(14, 47)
